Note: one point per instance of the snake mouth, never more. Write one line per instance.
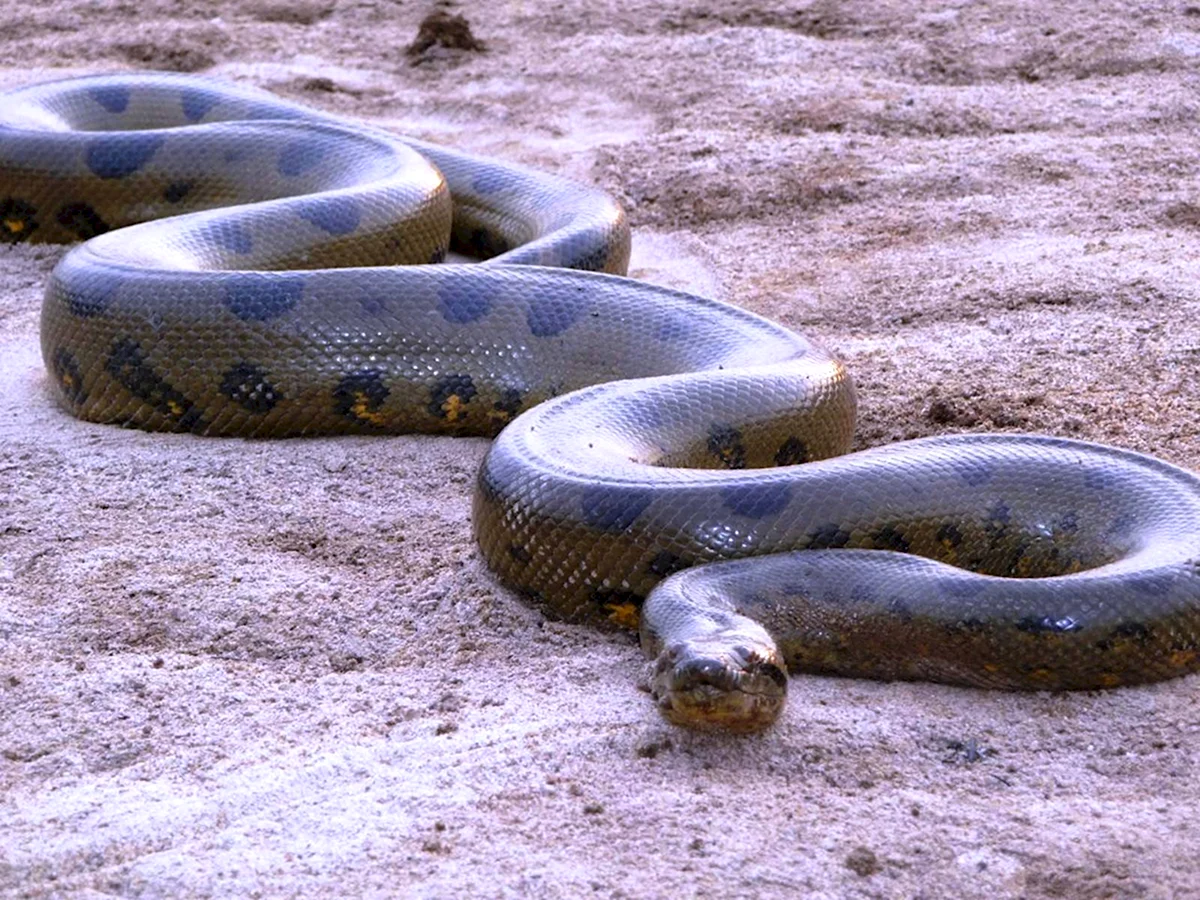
(737, 689)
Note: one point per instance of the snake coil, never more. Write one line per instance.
(253, 267)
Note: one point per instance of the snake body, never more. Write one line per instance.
(641, 431)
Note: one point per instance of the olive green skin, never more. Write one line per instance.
(642, 431)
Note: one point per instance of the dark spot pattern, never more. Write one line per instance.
(113, 97)
(667, 563)
(509, 403)
(302, 156)
(235, 156)
(482, 244)
(974, 473)
(1068, 524)
(1097, 478)
(360, 396)
(791, 452)
(93, 299)
(231, 235)
(334, 215)
(949, 535)
(829, 537)
(438, 255)
(549, 315)
(890, 538)
(18, 220)
(119, 156)
(177, 190)
(676, 328)
(127, 364)
(257, 297)
(999, 514)
(756, 501)
(196, 103)
(460, 306)
(519, 553)
(67, 376)
(1125, 632)
(247, 385)
(609, 507)
(81, 220)
(863, 593)
(449, 395)
(726, 446)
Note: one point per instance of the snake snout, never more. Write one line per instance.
(732, 688)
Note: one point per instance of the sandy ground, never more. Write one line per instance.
(239, 669)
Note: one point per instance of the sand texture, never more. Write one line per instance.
(236, 669)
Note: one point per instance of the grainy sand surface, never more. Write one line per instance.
(235, 668)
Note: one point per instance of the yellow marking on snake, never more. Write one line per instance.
(454, 408)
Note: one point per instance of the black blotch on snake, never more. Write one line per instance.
(247, 385)
(828, 537)
(18, 220)
(68, 376)
(509, 403)
(482, 244)
(449, 395)
(128, 365)
(791, 452)
(359, 395)
(667, 563)
(177, 190)
(81, 220)
(889, 537)
(726, 446)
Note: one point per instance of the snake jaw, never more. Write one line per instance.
(718, 684)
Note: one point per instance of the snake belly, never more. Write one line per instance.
(256, 268)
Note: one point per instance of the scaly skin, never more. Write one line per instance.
(648, 431)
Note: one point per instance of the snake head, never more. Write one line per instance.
(720, 682)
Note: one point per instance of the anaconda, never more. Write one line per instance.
(256, 268)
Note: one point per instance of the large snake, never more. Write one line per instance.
(641, 431)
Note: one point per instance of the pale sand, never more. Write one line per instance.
(271, 669)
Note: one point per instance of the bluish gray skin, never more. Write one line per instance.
(687, 431)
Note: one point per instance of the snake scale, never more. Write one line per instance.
(276, 278)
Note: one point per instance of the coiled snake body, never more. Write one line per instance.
(641, 430)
